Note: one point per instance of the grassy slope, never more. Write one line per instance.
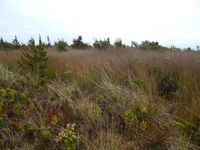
(117, 99)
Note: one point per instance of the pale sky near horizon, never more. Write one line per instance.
(170, 22)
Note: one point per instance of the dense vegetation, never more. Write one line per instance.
(118, 98)
(78, 43)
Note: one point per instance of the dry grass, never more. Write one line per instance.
(125, 79)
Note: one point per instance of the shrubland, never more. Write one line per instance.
(118, 98)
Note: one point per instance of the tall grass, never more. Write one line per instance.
(121, 98)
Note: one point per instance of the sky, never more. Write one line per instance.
(170, 22)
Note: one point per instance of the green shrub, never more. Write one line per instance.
(3, 92)
(44, 133)
(61, 45)
(143, 110)
(29, 132)
(130, 118)
(168, 85)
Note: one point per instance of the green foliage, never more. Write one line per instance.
(139, 82)
(130, 118)
(54, 120)
(168, 85)
(111, 95)
(44, 133)
(18, 109)
(16, 43)
(79, 44)
(178, 125)
(53, 95)
(102, 44)
(149, 45)
(4, 45)
(3, 92)
(67, 139)
(1, 106)
(143, 110)
(31, 42)
(34, 59)
(86, 85)
(134, 44)
(118, 43)
(61, 45)
(143, 125)
(48, 42)
(94, 112)
(1, 122)
(29, 132)
(130, 103)
(23, 96)
(11, 93)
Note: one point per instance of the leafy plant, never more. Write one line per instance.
(168, 85)
(130, 118)
(3, 92)
(143, 110)
(44, 133)
(143, 125)
(67, 139)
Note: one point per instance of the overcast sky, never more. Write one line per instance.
(171, 22)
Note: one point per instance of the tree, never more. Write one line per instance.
(48, 41)
(134, 44)
(102, 44)
(16, 43)
(40, 40)
(118, 43)
(61, 45)
(34, 59)
(31, 42)
(198, 48)
(78, 43)
(1, 43)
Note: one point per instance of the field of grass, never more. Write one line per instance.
(113, 99)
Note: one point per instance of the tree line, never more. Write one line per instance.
(78, 43)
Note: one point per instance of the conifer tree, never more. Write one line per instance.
(34, 60)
